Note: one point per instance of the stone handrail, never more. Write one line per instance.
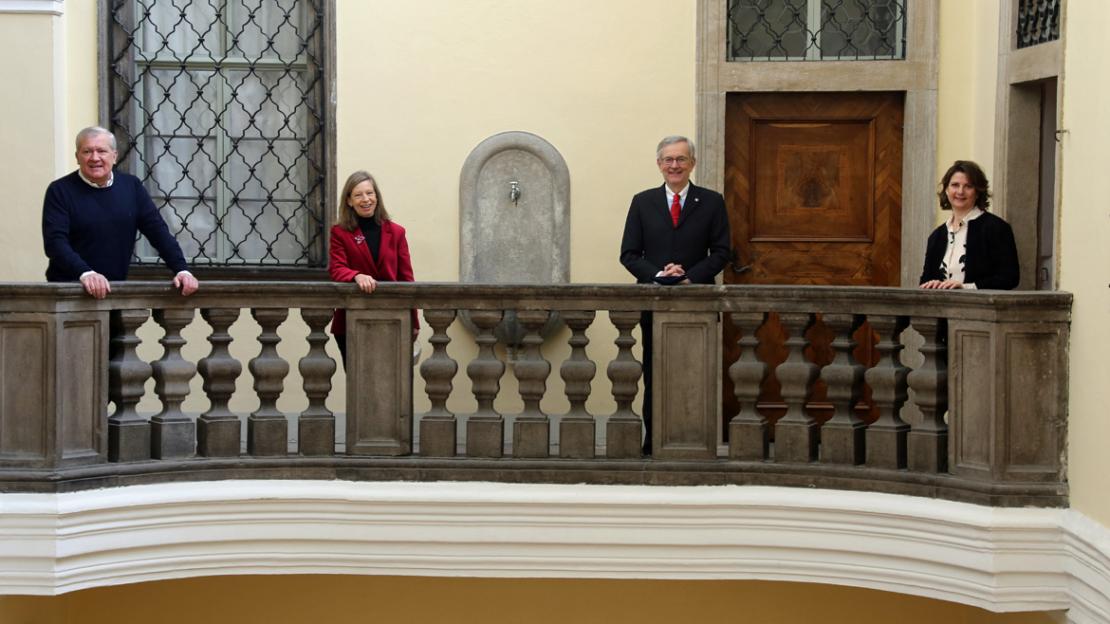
(989, 391)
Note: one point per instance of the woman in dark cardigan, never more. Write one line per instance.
(973, 248)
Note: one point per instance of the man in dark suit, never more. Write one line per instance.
(674, 234)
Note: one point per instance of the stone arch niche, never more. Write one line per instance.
(514, 216)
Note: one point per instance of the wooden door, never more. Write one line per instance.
(813, 184)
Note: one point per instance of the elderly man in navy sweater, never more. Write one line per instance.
(90, 219)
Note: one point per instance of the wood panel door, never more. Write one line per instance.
(813, 184)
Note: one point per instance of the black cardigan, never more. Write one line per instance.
(991, 261)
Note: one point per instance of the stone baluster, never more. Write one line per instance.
(842, 436)
(267, 428)
(316, 425)
(437, 427)
(485, 430)
(577, 431)
(886, 437)
(218, 429)
(796, 432)
(748, 434)
(928, 441)
(128, 433)
(173, 434)
(532, 429)
(625, 429)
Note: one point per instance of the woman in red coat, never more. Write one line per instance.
(366, 247)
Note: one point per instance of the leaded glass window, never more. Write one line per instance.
(219, 108)
(816, 30)
(1038, 22)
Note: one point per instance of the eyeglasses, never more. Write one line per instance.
(674, 160)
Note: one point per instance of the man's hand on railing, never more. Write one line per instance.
(96, 284)
(186, 283)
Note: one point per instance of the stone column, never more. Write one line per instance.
(748, 434)
(796, 432)
(379, 382)
(267, 428)
(173, 434)
(218, 429)
(316, 426)
(577, 430)
(624, 429)
(842, 436)
(485, 430)
(686, 385)
(128, 433)
(54, 389)
(532, 429)
(1008, 389)
(438, 426)
(928, 441)
(886, 437)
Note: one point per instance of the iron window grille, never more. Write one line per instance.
(219, 107)
(816, 30)
(1038, 22)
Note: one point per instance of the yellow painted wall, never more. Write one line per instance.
(31, 138)
(1084, 259)
(79, 26)
(401, 600)
(967, 76)
(420, 84)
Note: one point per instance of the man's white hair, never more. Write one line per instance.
(671, 140)
(92, 131)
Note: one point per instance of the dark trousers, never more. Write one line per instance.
(646, 341)
(341, 342)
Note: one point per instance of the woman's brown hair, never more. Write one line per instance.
(975, 176)
(347, 218)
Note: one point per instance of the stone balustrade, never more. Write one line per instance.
(978, 413)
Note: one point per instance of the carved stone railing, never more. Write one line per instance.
(978, 413)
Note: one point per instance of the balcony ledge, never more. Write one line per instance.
(1000, 559)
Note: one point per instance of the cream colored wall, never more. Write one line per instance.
(79, 23)
(341, 599)
(1084, 230)
(50, 94)
(31, 137)
(966, 83)
(420, 85)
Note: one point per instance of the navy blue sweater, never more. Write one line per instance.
(94, 229)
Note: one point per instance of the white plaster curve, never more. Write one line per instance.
(1001, 559)
(48, 7)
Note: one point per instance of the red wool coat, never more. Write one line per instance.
(349, 255)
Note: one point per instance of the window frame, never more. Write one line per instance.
(325, 85)
(813, 53)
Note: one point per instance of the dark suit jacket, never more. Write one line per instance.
(992, 259)
(700, 243)
(349, 255)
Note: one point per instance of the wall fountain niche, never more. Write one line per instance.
(514, 215)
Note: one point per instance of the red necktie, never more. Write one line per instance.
(676, 208)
